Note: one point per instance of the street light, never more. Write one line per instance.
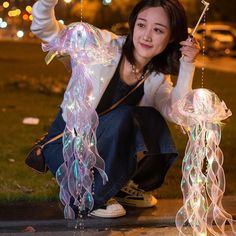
(106, 2)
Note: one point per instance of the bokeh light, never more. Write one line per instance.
(20, 33)
(6, 4)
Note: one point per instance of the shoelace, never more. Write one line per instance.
(133, 189)
(111, 201)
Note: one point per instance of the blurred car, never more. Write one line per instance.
(121, 28)
(220, 39)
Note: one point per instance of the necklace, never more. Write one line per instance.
(136, 72)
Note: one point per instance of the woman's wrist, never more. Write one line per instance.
(187, 60)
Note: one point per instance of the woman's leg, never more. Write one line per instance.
(116, 145)
(161, 153)
(53, 151)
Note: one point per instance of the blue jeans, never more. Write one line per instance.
(122, 133)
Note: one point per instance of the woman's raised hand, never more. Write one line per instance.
(190, 49)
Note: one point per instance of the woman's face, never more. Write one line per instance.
(151, 33)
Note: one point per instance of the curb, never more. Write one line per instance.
(163, 215)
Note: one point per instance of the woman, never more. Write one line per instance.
(133, 139)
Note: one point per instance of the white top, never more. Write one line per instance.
(158, 88)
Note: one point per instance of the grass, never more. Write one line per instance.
(24, 76)
(29, 88)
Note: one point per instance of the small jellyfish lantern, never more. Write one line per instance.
(200, 113)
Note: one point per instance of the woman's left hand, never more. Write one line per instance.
(190, 49)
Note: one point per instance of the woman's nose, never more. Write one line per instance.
(147, 36)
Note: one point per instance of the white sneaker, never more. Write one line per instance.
(112, 209)
(131, 195)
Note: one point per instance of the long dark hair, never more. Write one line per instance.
(166, 62)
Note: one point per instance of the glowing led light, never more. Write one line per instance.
(107, 2)
(14, 13)
(67, 1)
(18, 12)
(6, 4)
(25, 17)
(28, 9)
(91, 98)
(61, 21)
(3, 24)
(20, 34)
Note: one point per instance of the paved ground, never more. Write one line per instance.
(155, 221)
(166, 231)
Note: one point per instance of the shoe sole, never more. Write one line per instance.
(134, 203)
(100, 213)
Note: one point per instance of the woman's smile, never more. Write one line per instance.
(146, 46)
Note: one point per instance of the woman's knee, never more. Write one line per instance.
(121, 120)
(53, 156)
(151, 112)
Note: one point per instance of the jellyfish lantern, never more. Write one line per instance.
(200, 113)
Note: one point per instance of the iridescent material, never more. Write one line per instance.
(200, 113)
(86, 47)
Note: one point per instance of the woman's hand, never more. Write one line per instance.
(190, 49)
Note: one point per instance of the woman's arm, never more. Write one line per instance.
(166, 95)
(44, 24)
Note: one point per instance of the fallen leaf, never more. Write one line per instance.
(29, 229)
(11, 160)
(24, 189)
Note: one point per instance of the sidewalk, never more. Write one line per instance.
(47, 219)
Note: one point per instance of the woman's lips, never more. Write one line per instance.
(145, 45)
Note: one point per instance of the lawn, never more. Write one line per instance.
(29, 88)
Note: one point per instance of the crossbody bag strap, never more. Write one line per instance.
(104, 112)
(122, 99)
(53, 139)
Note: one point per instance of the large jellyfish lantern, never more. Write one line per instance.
(84, 44)
(200, 113)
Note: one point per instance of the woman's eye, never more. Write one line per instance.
(141, 25)
(158, 30)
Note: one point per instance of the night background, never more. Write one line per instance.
(30, 88)
(15, 16)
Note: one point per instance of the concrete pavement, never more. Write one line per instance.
(159, 220)
(141, 231)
